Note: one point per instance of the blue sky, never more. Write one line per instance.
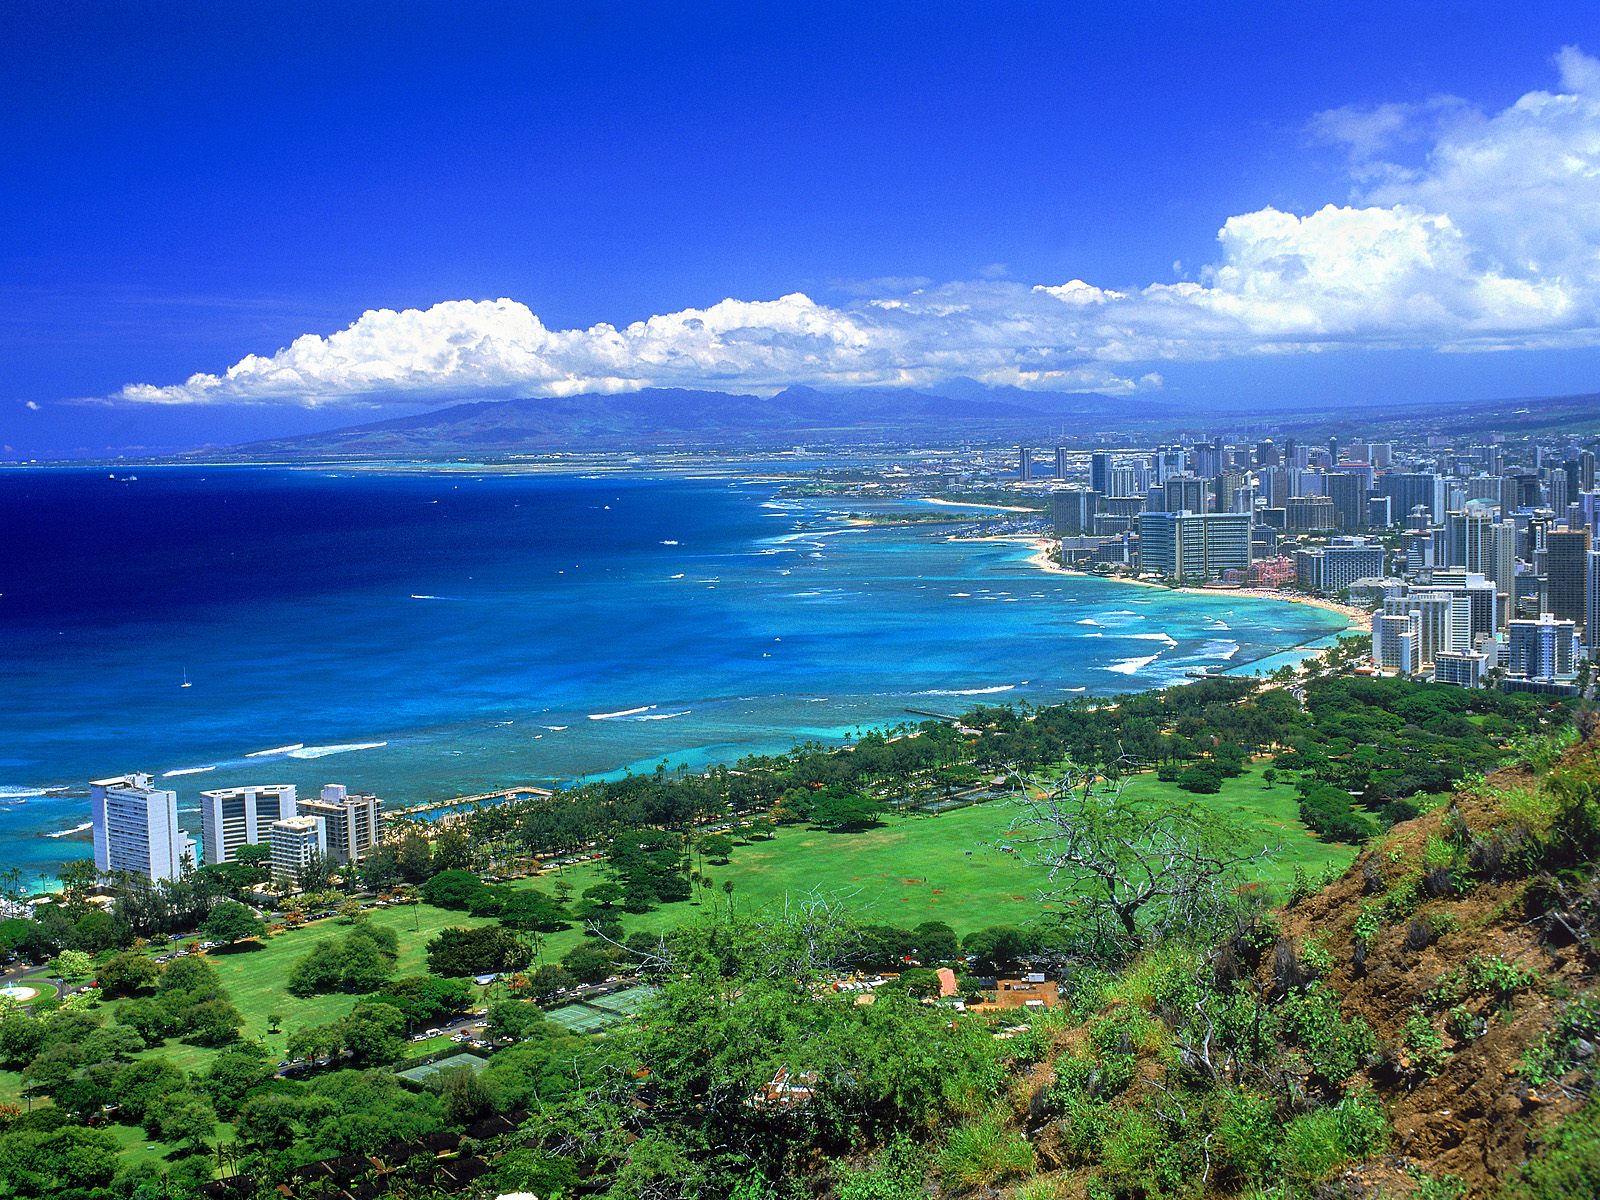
(189, 185)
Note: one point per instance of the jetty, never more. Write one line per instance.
(458, 803)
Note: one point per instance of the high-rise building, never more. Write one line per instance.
(352, 820)
(1183, 493)
(296, 842)
(1591, 605)
(1197, 546)
(1062, 457)
(234, 817)
(1099, 471)
(1541, 649)
(136, 828)
(1307, 513)
(1380, 512)
(1348, 491)
(1409, 490)
(1469, 536)
(1073, 511)
(1461, 668)
(1329, 569)
(1024, 463)
(1396, 641)
(1480, 595)
(1566, 570)
(1444, 621)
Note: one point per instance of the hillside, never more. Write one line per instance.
(1423, 1025)
(672, 417)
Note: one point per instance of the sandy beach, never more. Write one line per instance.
(1358, 620)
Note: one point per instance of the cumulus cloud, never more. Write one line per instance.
(1463, 230)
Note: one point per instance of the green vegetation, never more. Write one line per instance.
(1205, 1045)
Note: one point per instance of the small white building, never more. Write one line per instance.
(296, 842)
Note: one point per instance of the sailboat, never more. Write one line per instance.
(186, 682)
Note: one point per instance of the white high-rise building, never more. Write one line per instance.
(296, 843)
(136, 828)
(1396, 638)
(1444, 621)
(234, 817)
(1541, 649)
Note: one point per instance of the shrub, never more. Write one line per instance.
(1333, 1044)
(981, 1153)
(1557, 1052)
(1424, 1047)
(1317, 1142)
(1248, 1134)
(1567, 1165)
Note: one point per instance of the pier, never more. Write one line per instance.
(458, 803)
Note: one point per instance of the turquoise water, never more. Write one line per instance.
(425, 634)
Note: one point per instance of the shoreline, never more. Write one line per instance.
(1357, 620)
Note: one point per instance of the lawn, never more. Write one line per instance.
(254, 975)
(950, 867)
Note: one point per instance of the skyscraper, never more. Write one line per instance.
(1566, 568)
(1540, 649)
(234, 817)
(1591, 605)
(1194, 546)
(1025, 463)
(1100, 471)
(1348, 491)
(136, 828)
(352, 820)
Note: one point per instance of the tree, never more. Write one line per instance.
(257, 856)
(462, 1095)
(233, 1075)
(232, 922)
(548, 980)
(515, 1018)
(372, 1032)
(998, 948)
(1126, 871)
(78, 880)
(127, 973)
(589, 963)
(846, 813)
(414, 858)
(920, 982)
(452, 851)
(74, 966)
(717, 847)
(481, 950)
(453, 889)
(529, 910)
(935, 942)
(268, 1121)
(182, 1118)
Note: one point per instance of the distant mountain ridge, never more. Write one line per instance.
(667, 417)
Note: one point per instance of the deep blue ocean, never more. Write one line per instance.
(423, 634)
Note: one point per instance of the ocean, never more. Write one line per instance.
(427, 633)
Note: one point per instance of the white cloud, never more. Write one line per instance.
(1464, 230)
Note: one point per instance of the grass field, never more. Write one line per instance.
(950, 868)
